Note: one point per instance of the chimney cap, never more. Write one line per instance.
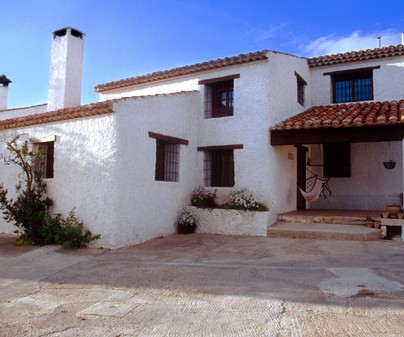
(73, 31)
(4, 80)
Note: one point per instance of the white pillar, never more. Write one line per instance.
(65, 69)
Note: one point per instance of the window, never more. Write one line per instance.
(219, 165)
(219, 168)
(167, 157)
(301, 83)
(219, 96)
(353, 86)
(337, 160)
(45, 167)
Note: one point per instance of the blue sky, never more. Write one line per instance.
(127, 38)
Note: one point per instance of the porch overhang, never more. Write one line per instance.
(330, 135)
(356, 122)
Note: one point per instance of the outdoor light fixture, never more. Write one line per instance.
(389, 164)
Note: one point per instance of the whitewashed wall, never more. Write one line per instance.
(147, 208)
(264, 94)
(371, 186)
(388, 81)
(84, 172)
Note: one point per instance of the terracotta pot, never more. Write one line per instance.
(369, 224)
(393, 210)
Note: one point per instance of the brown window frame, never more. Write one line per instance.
(45, 167)
(219, 96)
(219, 165)
(167, 167)
(351, 76)
(301, 83)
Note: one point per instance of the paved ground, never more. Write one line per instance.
(205, 285)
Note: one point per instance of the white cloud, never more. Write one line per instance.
(264, 34)
(333, 44)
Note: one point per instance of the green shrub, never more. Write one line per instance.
(29, 211)
(69, 231)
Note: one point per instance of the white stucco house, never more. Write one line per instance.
(129, 163)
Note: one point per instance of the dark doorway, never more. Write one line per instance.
(301, 176)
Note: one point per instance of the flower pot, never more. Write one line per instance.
(189, 229)
(369, 224)
(393, 210)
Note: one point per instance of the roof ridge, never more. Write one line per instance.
(184, 70)
(91, 109)
(360, 55)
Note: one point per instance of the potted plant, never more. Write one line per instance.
(187, 222)
(242, 199)
(203, 199)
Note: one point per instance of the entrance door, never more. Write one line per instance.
(301, 176)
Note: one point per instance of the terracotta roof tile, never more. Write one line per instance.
(186, 70)
(346, 115)
(58, 115)
(354, 56)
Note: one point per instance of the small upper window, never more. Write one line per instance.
(219, 96)
(219, 99)
(352, 86)
(44, 167)
(301, 83)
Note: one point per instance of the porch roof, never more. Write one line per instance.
(353, 122)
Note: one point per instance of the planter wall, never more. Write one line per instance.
(232, 222)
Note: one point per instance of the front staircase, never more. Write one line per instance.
(326, 225)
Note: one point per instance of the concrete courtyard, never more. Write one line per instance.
(205, 285)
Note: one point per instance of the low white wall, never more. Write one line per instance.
(232, 222)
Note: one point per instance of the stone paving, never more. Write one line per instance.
(205, 285)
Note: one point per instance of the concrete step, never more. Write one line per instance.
(322, 231)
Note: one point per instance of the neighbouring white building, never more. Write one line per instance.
(129, 163)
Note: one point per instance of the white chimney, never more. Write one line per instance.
(65, 69)
(4, 82)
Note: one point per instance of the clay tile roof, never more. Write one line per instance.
(346, 115)
(58, 115)
(354, 56)
(186, 70)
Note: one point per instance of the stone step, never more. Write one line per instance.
(330, 217)
(322, 231)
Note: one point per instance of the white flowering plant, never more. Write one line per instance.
(187, 221)
(243, 199)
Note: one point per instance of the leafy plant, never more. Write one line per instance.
(244, 200)
(69, 231)
(30, 209)
(204, 199)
